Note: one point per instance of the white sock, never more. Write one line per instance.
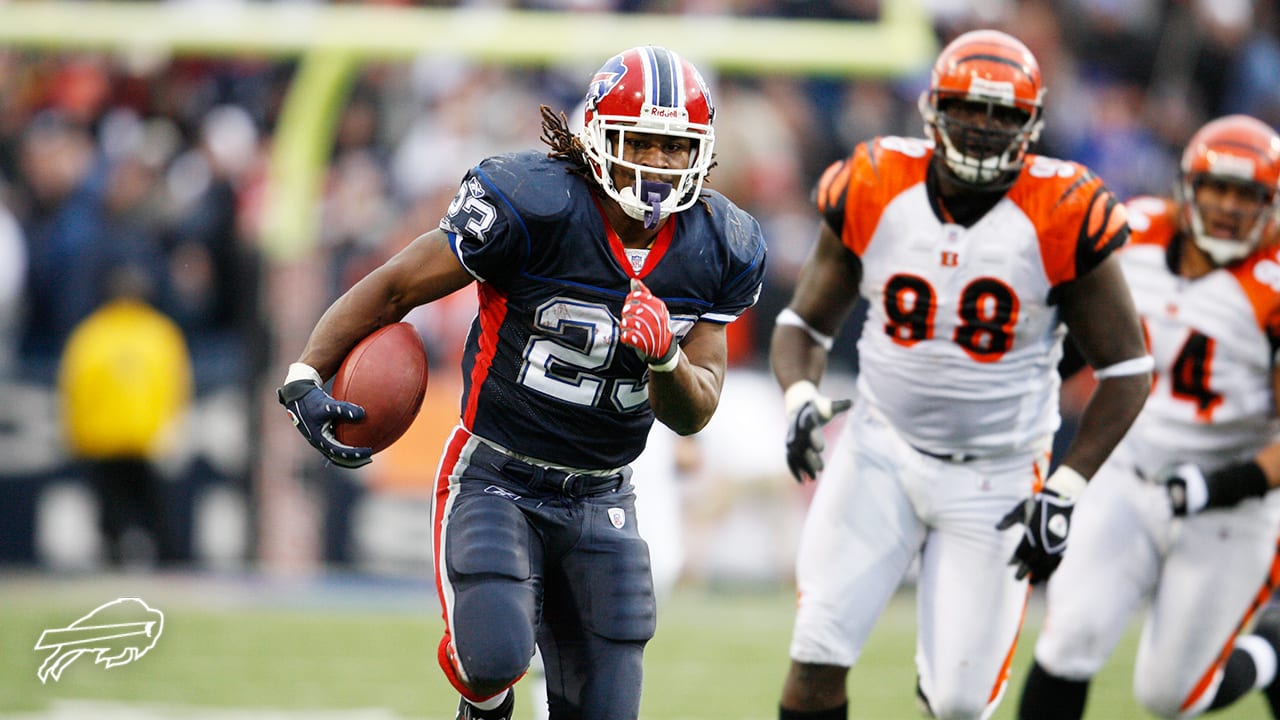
(1264, 659)
(492, 702)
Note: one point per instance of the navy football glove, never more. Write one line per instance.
(809, 412)
(313, 411)
(1047, 519)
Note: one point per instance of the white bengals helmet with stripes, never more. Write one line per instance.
(652, 90)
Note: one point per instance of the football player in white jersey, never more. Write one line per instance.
(1179, 519)
(972, 254)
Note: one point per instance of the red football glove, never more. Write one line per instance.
(646, 326)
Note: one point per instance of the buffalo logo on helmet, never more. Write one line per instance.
(605, 80)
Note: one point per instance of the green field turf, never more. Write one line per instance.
(354, 649)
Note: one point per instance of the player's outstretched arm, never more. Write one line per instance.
(1099, 312)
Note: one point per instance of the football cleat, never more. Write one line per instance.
(467, 711)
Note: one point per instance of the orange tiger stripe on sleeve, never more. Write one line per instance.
(853, 193)
(832, 186)
(1078, 220)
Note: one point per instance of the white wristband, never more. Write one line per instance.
(798, 393)
(302, 371)
(1068, 483)
(1197, 487)
(669, 365)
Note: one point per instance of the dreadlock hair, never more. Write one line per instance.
(563, 143)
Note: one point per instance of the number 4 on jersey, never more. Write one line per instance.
(1190, 375)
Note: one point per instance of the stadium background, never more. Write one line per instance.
(262, 156)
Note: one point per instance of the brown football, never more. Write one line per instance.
(386, 374)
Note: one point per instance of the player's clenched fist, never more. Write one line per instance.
(646, 326)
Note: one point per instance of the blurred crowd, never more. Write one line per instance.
(159, 163)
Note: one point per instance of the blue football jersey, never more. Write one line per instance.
(544, 372)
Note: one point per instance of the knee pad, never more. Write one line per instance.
(493, 631)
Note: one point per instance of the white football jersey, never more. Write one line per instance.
(962, 339)
(1214, 341)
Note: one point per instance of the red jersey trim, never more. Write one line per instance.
(493, 310)
(656, 250)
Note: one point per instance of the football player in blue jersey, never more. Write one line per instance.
(606, 275)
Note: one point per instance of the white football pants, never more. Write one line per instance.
(878, 504)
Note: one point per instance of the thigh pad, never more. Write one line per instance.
(488, 535)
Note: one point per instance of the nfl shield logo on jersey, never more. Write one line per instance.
(618, 517)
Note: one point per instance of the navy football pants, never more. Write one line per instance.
(526, 553)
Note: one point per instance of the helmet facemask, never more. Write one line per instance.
(655, 192)
(984, 153)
